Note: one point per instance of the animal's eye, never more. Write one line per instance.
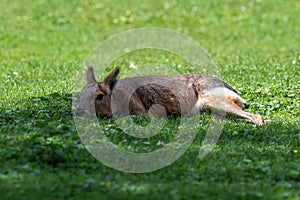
(100, 97)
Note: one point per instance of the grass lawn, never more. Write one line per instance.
(255, 45)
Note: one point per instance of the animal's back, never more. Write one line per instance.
(177, 94)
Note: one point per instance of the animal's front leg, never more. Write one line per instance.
(136, 106)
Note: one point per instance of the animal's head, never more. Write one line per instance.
(97, 96)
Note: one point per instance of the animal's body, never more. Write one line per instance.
(179, 94)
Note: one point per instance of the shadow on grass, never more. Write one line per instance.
(41, 155)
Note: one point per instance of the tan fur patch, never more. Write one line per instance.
(104, 89)
(233, 99)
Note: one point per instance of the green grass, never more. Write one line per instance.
(43, 44)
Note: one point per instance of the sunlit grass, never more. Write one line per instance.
(43, 45)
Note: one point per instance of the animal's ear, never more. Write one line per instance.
(111, 79)
(90, 77)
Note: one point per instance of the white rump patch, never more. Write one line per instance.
(217, 94)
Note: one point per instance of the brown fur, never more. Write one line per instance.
(138, 95)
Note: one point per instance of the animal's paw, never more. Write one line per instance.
(268, 121)
(257, 119)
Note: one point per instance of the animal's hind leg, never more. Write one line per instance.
(228, 106)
